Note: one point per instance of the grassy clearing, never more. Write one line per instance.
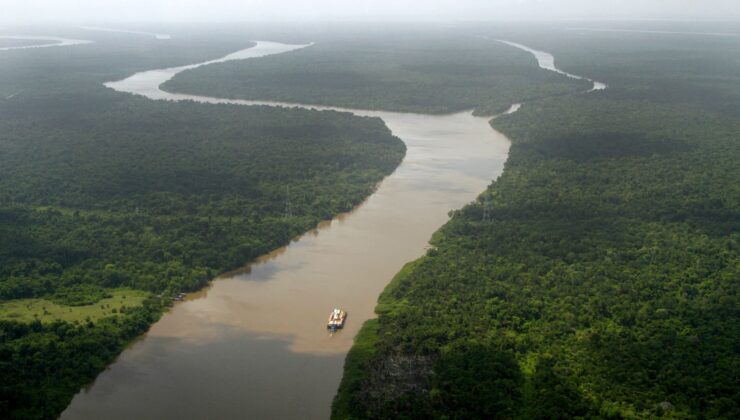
(27, 310)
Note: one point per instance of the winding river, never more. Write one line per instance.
(126, 31)
(546, 61)
(45, 42)
(254, 343)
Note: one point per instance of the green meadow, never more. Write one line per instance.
(27, 310)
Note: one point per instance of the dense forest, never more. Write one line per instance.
(102, 192)
(439, 72)
(598, 276)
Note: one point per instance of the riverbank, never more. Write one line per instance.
(581, 282)
(24, 42)
(151, 195)
(277, 306)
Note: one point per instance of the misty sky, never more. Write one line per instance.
(24, 11)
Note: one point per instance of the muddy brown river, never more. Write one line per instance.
(254, 344)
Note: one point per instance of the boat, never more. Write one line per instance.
(336, 319)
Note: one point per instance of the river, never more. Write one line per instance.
(546, 61)
(126, 31)
(44, 42)
(254, 343)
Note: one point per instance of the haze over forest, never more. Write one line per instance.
(42, 11)
(522, 209)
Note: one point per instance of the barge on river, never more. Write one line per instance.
(336, 319)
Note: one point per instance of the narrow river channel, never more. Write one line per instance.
(41, 42)
(254, 344)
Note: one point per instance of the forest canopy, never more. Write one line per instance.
(598, 276)
(437, 73)
(111, 204)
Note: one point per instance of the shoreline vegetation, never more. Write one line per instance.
(579, 203)
(596, 277)
(146, 200)
(437, 74)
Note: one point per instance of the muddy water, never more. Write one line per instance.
(254, 344)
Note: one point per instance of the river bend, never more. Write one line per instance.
(254, 344)
(51, 41)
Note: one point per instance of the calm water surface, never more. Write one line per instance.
(254, 344)
(546, 61)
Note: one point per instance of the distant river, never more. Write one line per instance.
(546, 61)
(41, 42)
(254, 345)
